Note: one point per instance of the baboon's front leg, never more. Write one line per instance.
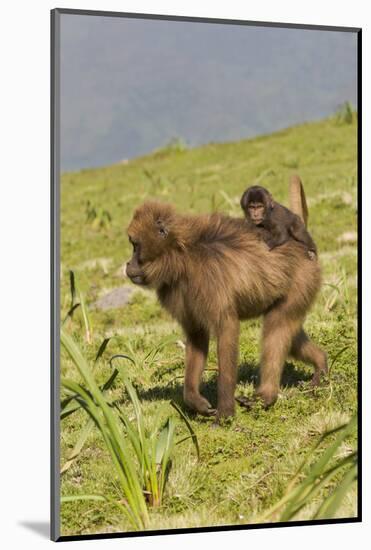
(197, 348)
(228, 335)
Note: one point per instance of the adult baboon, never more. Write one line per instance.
(209, 273)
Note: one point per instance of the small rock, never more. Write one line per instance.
(118, 297)
(348, 237)
(347, 198)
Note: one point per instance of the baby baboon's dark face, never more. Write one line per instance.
(256, 202)
(256, 212)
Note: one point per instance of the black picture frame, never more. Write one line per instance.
(55, 270)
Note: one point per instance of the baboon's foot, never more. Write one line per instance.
(250, 402)
(316, 379)
(317, 376)
(246, 402)
(268, 396)
(224, 412)
(320, 372)
(199, 404)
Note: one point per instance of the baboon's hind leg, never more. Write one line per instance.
(305, 350)
(279, 330)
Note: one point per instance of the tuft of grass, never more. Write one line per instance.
(176, 145)
(300, 494)
(339, 292)
(142, 456)
(97, 217)
(344, 114)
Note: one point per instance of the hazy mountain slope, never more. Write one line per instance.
(129, 86)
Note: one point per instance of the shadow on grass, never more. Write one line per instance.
(292, 376)
(248, 373)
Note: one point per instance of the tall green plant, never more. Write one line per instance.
(141, 455)
(94, 403)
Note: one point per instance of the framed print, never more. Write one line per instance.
(205, 274)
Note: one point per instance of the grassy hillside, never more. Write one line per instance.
(244, 467)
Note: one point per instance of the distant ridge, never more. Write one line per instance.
(129, 87)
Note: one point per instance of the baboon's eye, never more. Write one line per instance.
(163, 232)
(134, 244)
(161, 229)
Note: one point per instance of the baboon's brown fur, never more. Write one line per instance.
(209, 273)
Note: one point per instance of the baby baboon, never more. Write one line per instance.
(274, 222)
(209, 273)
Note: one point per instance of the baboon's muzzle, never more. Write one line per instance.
(135, 274)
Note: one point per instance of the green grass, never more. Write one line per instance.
(246, 467)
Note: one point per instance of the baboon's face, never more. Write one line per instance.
(134, 267)
(256, 202)
(150, 238)
(256, 212)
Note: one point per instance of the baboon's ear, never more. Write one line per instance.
(162, 230)
(271, 202)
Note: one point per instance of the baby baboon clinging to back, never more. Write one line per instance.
(209, 273)
(275, 223)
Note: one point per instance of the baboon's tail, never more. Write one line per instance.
(298, 202)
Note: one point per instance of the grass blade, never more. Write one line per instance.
(166, 460)
(72, 288)
(84, 434)
(68, 405)
(190, 429)
(70, 313)
(151, 355)
(102, 348)
(331, 504)
(86, 317)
